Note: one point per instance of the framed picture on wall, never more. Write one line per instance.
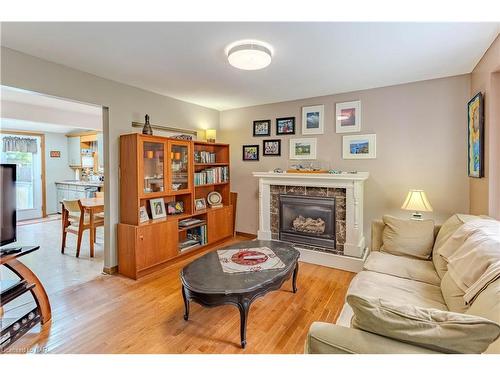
(271, 147)
(475, 136)
(303, 148)
(285, 125)
(348, 117)
(359, 146)
(312, 119)
(251, 153)
(262, 128)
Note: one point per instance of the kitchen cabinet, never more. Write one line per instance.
(69, 192)
(74, 152)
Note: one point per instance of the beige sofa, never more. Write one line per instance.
(404, 280)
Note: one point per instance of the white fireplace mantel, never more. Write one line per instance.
(353, 183)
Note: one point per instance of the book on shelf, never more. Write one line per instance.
(204, 157)
(195, 237)
(188, 222)
(215, 175)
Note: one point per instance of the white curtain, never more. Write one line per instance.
(19, 144)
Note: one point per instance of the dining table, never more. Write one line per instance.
(91, 206)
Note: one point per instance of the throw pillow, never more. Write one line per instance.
(438, 330)
(413, 238)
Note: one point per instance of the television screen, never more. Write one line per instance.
(8, 203)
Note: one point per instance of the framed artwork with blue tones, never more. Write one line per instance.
(312, 119)
(475, 136)
(359, 146)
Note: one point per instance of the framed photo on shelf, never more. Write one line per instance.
(143, 214)
(157, 208)
(303, 148)
(174, 208)
(262, 128)
(285, 125)
(200, 204)
(271, 147)
(359, 146)
(475, 136)
(312, 119)
(251, 153)
(348, 117)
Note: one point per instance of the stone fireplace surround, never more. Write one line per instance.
(311, 191)
(349, 223)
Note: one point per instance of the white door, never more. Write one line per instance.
(28, 178)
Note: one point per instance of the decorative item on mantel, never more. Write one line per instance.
(147, 129)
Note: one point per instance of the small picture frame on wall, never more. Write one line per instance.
(359, 146)
(303, 148)
(250, 152)
(348, 117)
(285, 125)
(143, 214)
(312, 119)
(262, 128)
(157, 206)
(271, 147)
(475, 136)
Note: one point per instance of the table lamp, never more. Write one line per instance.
(210, 135)
(417, 201)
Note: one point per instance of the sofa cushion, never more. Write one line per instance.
(397, 289)
(449, 227)
(434, 329)
(400, 266)
(452, 294)
(412, 238)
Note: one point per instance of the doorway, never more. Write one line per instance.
(26, 150)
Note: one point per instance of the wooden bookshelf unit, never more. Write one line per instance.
(170, 169)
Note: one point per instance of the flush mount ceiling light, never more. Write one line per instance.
(249, 54)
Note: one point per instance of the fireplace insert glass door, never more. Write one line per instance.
(307, 220)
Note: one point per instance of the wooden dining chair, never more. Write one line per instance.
(75, 221)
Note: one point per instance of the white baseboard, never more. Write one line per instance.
(332, 260)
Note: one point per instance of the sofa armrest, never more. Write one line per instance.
(377, 231)
(327, 338)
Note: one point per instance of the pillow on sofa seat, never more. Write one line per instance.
(444, 331)
(413, 238)
(407, 268)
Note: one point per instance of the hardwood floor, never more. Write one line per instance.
(112, 314)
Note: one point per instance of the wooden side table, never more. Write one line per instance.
(11, 290)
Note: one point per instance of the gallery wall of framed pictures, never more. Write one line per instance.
(348, 116)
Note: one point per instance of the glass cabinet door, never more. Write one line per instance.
(179, 166)
(153, 172)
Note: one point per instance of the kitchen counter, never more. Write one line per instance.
(99, 184)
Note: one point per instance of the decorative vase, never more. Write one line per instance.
(147, 127)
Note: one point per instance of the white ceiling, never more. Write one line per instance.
(11, 94)
(187, 61)
(31, 111)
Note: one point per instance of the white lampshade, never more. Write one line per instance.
(210, 135)
(417, 201)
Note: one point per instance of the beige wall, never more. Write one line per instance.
(126, 104)
(421, 143)
(484, 192)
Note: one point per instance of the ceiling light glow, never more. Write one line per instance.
(249, 54)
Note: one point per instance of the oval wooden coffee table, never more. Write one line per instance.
(204, 282)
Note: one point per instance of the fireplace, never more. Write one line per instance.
(307, 220)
